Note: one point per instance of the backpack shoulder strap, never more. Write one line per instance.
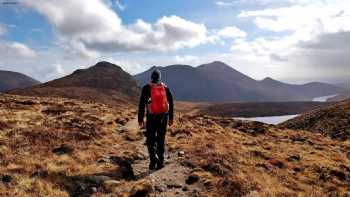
(152, 85)
(160, 84)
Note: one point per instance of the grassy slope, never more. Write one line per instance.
(249, 109)
(247, 158)
(332, 120)
(229, 157)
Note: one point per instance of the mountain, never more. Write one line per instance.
(344, 85)
(219, 82)
(210, 82)
(303, 92)
(103, 82)
(333, 120)
(342, 95)
(11, 80)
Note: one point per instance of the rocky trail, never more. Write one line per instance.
(168, 181)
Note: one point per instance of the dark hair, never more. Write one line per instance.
(156, 75)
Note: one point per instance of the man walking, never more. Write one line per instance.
(158, 100)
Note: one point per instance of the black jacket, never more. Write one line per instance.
(146, 94)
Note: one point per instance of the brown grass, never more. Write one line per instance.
(230, 157)
(277, 162)
(30, 133)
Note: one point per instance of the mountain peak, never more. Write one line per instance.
(100, 67)
(267, 79)
(180, 66)
(104, 64)
(216, 65)
(218, 62)
(273, 82)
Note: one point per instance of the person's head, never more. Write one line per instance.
(156, 75)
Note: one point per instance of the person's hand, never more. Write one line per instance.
(142, 124)
(171, 122)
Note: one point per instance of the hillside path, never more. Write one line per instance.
(170, 180)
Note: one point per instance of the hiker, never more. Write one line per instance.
(158, 100)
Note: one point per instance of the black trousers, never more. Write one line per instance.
(156, 126)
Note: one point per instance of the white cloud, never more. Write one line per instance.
(314, 37)
(187, 59)
(232, 3)
(78, 49)
(232, 32)
(16, 50)
(319, 18)
(59, 69)
(132, 66)
(175, 32)
(322, 17)
(225, 3)
(91, 27)
(307, 38)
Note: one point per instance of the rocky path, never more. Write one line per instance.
(169, 181)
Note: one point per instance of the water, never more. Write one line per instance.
(270, 119)
(279, 119)
(324, 98)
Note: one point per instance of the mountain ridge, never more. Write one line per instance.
(226, 84)
(12, 80)
(104, 82)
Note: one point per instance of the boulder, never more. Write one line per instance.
(141, 188)
(6, 178)
(193, 178)
(63, 149)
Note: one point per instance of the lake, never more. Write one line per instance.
(324, 98)
(279, 119)
(270, 119)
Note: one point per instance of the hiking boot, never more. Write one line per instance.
(152, 165)
(160, 165)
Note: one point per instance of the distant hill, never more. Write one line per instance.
(302, 92)
(333, 120)
(11, 80)
(342, 96)
(218, 82)
(103, 82)
(344, 85)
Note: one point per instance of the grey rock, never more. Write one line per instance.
(99, 180)
(181, 153)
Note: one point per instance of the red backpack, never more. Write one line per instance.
(159, 102)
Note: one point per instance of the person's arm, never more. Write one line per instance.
(142, 104)
(171, 104)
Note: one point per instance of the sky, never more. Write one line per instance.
(296, 41)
